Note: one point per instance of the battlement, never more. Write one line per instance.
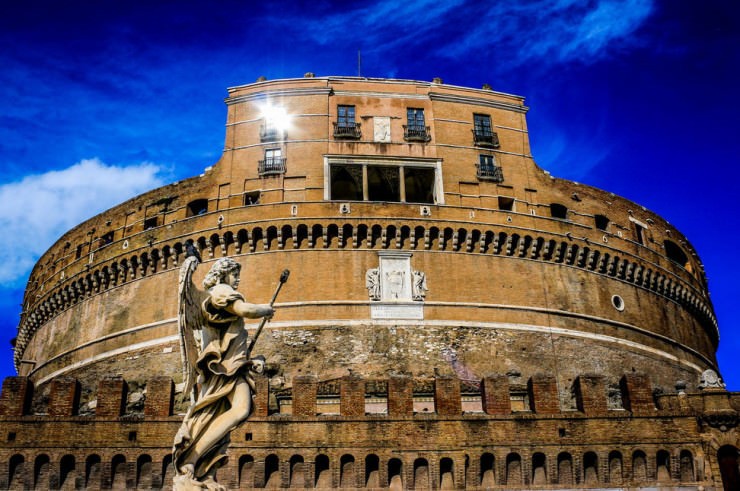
(399, 396)
(352, 433)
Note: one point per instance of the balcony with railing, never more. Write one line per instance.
(416, 133)
(271, 166)
(347, 131)
(485, 138)
(490, 172)
(270, 133)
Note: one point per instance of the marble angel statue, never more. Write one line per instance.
(217, 368)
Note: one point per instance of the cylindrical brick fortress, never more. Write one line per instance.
(420, 234)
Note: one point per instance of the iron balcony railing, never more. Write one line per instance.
(486, 138)
(416, 133)
(490, 172)
(269, 133)
(348, 131)
(272, 165)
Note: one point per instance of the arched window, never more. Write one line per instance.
(421, 474)
(687, 466)
(372, 468)
(66, 471)
(487, 476)
(663, 466)
(246, 471)
(639, 466)
(144, 472)
(446, 474)
(395, 474)
(513, 469)
(297, 472)
(615, 467)
(92, 472)
(41, 470)
(15, 471)
(539, 469)
(322, 474)
(272, 472)
(348, 474)
(590, 468)
(565, 468)
(118, 472)
(167, 469)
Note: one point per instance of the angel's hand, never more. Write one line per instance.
(267, 311)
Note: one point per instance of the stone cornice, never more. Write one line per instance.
(478, 101)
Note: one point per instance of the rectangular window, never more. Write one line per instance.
(383, 183)
(488, 170)
(482, 124)
(483, 135)
(391, 183)
(274, 162)
(346, 116)
(346, 127)
(150, 222)
(415, 118)
(416, 129)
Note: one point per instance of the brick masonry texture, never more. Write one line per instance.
(523, 364)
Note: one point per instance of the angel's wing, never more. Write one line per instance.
(190, 323)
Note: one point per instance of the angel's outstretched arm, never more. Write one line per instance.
(250, 310)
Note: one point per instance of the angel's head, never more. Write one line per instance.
(225, 270)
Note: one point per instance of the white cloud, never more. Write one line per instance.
(38, 209)
(514, 33)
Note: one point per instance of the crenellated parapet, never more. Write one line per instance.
(332, 435)
(400, 396)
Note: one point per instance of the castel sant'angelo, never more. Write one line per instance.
(455, 317)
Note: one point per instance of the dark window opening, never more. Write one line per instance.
(483, 135)
(639, 234)
(675, 253)
(419, 185)
(11, 436)
(602, 222)
(558, 211)
(416, 129)
(78, 252)
(150, 222)
(346, 127)
(251, 198)
(248, 437)
(197, 207)
(106, 239)
(505, 203)
(132, 436)
(346, 182)
(728, 458)
(488, 170)
(383, 183)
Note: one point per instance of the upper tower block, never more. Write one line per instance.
(357, 139)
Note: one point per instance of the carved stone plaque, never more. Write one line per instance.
(398, 290)
(397, 311)
(382, 129)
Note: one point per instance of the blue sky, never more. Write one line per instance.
(103, 100)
